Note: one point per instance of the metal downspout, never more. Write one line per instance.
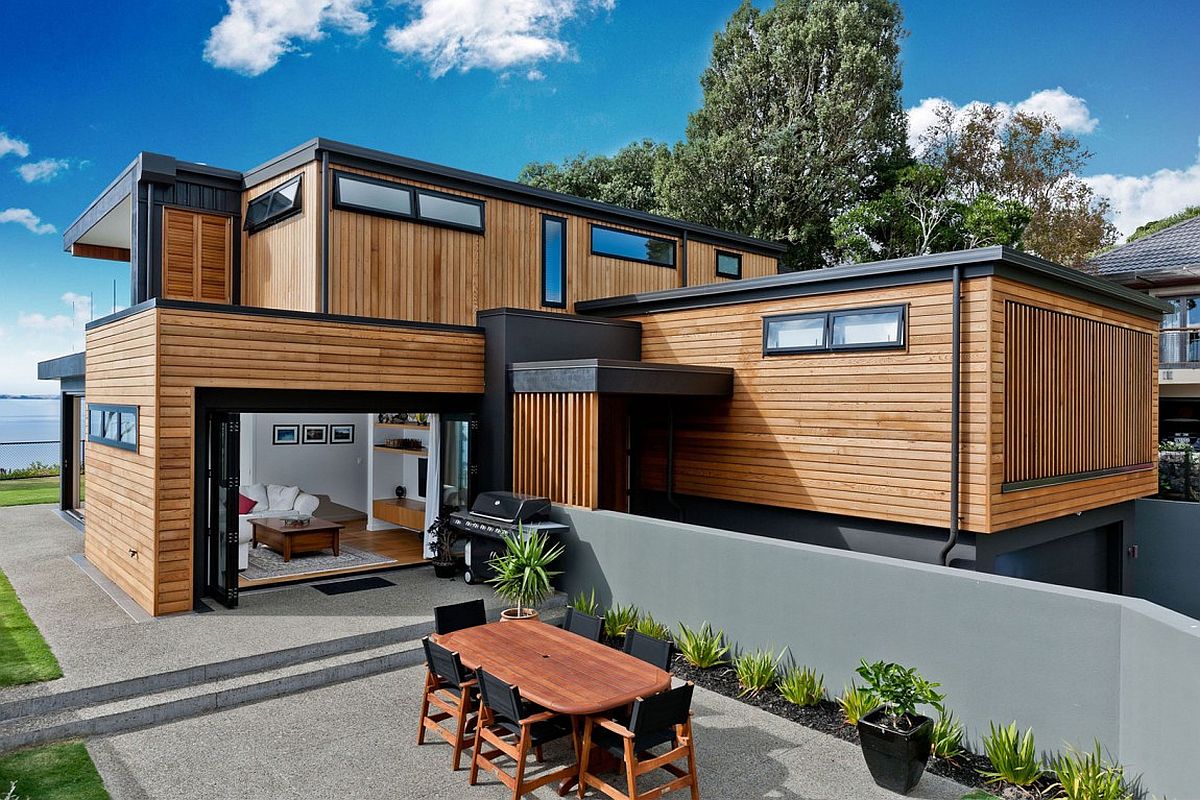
(955, 386)
(324, 231)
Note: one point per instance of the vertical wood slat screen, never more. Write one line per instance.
(556, 447)
(1078, 395)
(197, 256)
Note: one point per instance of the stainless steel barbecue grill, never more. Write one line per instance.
(493, 516)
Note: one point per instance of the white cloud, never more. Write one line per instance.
(25, 217)
(44, 170)
(487, 34)
(254, 34)
(38, 336)
(9, 144)
(1071, 112)
(81, 315)
(1138, 199)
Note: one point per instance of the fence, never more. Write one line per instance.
(1073, 664)
(1179, 475)
(26, 459)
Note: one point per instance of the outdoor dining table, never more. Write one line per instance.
(558, 670)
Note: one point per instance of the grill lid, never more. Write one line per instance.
(510, 506)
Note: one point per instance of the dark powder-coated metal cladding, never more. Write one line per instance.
(612, 376)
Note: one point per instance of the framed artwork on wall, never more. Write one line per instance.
(316, 434)
(341, 434)
(285, 434)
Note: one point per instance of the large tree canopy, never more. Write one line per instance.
(625, 179)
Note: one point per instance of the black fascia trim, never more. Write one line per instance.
(297, 208)
(563, 280)
(610, 376)
(63, 367)
(123, 409)
(343, 205)
(112, 196)
(717, 265)
(592, 246)
(1016, 486)
(556, 316)
(277, 313)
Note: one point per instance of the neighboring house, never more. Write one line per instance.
(1166, 265)
(983, 405)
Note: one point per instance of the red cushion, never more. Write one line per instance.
(245, 504)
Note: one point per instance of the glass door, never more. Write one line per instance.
(458, 461)
(221, 525)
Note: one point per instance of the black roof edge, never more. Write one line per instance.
(68, 366)
(503, 189)
(555, 315)
(878, 274)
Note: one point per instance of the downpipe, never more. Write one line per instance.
(955, 391)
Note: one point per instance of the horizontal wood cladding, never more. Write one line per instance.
(197, 256)
(281, 264)
(1120, 356)
(858, 433)
(556, 447)
(120, 526)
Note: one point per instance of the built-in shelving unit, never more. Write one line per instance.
(384, 448)
(393, 466)
(402, 426)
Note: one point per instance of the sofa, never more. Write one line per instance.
(270, 500)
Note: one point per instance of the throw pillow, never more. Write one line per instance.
(256, 492)
(246, 504)
(281, 498)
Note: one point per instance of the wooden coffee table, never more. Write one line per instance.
(284, 538)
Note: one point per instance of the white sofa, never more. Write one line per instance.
(271, 500)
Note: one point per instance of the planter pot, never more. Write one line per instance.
(896, 758)
(510, 615)
(445, 570)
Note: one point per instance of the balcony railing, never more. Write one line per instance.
(1179, 346)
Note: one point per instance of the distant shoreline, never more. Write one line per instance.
(28, 397)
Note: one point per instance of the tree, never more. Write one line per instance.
(1164, 223)
(625, 179)
(801, 113)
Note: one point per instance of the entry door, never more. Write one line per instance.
(221, 527)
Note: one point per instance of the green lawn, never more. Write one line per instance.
(24, 655)
(27, 491)
(52, 772)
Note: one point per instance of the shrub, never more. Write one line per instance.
(619, 619)
(756, 671)
(649, 626)
(1087, 776)
(586, 603)
(947, 736)
(802, 686)
(1013, 756)
(856, 703)
(703, 647)
(900, 689)
(521, 570)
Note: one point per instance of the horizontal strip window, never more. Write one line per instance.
(729, 265)
(879, 328)
(367, 195)
(115, 426)
(630, 246)
(275, 206)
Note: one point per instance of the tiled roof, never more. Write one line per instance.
(1169, 253)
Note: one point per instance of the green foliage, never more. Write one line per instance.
(1087, 776)
(900, 689)
(625, 179)
(37, 469)
(522, 574)
(702, 647)
(52, 772)
(856, 703)
(979, 794)
(947, 736)
(1164, 223)
(649, 626)
(619, 619)
(1014, 758)
(1172, 446)
(586, 603)
(756, 671)
(802, 686)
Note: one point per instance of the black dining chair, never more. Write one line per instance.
(452, 689)
(583, 624)
(658, 652)
(504, 715)
(662, 719)
(455, 617)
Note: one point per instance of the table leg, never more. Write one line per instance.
(337, 544)
(287, 549)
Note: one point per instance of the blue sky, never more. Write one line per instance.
(489, 85)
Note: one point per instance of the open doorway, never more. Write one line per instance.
(72, 472)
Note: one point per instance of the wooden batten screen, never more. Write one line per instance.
(1078, 396)
(197, 256)
(556, 447)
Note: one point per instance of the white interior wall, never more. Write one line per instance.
(336, 470)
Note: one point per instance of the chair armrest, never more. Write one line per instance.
(541, 716)
(611, 725)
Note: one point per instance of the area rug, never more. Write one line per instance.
(265, 563)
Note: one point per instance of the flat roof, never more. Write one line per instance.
(999, 261)
(614, 376)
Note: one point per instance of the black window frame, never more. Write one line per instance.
(592, 246)
(100, 438)
(296, 207)
(563, 278)
(471, 201)
(828, 346)
(717, 266)
(414, 193)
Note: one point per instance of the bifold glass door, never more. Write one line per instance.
(457, 462)
(221, 524)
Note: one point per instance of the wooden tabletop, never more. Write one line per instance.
(559, 671)
(314, 524)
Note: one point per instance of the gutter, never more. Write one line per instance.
(955, 390)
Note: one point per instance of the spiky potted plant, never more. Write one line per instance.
(896, 738)
(443, 537)
(522, 574)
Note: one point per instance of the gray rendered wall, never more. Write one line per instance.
(1073, 664)
(1168, 562)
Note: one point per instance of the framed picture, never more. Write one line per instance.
(316, 434)
(341, 434)
(285, 434)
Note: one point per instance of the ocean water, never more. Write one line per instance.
(28, 421)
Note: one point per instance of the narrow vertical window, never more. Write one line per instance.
(554, 261)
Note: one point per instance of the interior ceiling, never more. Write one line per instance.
(113, 229)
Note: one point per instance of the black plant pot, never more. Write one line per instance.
(445, 570)
(896, 758)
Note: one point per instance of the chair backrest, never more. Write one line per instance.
(585, 625)
(451, 618)
(444, 663)
(658, 652)
(504, 700)
(661, 711)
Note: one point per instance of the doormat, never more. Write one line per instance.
(266, 563)
(356, 585)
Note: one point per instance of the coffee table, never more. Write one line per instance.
(286, 539)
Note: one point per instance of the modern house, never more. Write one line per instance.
(1166, 265)
(983, 408)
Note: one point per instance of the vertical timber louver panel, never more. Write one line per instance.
(197, 256)
(556, 450)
